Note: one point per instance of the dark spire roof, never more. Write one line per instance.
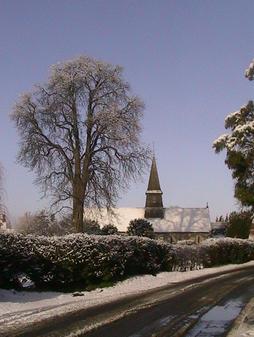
(154, 183)
(154, 204)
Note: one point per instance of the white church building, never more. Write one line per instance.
(171, 224)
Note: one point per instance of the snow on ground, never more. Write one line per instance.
(27, 307)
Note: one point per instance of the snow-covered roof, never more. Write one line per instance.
(176, 219)
(120, 217)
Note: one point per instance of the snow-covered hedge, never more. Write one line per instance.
(217, 252)
(78, 259)
(81, 260)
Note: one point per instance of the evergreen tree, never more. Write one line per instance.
(140, 227)
(239, 146)
(239, 224)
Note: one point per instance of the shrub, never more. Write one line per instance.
(140, 227)
(77, 260)
(109, 230)
(239, 225)
(91, 227)
(223, 251)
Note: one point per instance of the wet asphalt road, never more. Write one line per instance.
(183, 314)
(184, 309)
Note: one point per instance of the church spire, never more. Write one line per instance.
(154, 183)
(154, 205)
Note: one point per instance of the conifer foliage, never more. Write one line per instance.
(140, 227)
(239, 224)
(239, 146)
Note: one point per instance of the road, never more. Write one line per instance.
(204, 307)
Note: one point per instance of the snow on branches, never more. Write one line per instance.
(241, 123)
(239, 145)
(81, 134)
(249, 72)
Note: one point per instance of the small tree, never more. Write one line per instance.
(44, 223)
(91, 227)
(140, 227)
(239, 225)
(109, 230)
(65, 225)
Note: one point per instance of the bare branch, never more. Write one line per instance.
(80, 133)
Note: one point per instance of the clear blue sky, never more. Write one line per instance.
(184, 58)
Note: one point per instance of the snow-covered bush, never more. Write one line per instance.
(109, 230)
(185, 257)
(81, 260)
(140, 227)
(222, 251)
(78, 260)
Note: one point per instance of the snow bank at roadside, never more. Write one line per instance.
(27, 307)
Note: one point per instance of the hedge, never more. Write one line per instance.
(78, 261)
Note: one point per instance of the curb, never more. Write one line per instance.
(242, 319)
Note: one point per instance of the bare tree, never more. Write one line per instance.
(80, 132)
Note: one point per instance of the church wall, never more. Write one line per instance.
(174, 237)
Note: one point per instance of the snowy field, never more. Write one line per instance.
(26, 307)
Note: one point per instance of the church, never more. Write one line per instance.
(171, 224)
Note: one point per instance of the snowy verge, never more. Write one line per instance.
(27, 307)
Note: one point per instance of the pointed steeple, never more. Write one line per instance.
(154, 183)
(154, 205)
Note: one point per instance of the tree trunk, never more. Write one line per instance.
(78, 206)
